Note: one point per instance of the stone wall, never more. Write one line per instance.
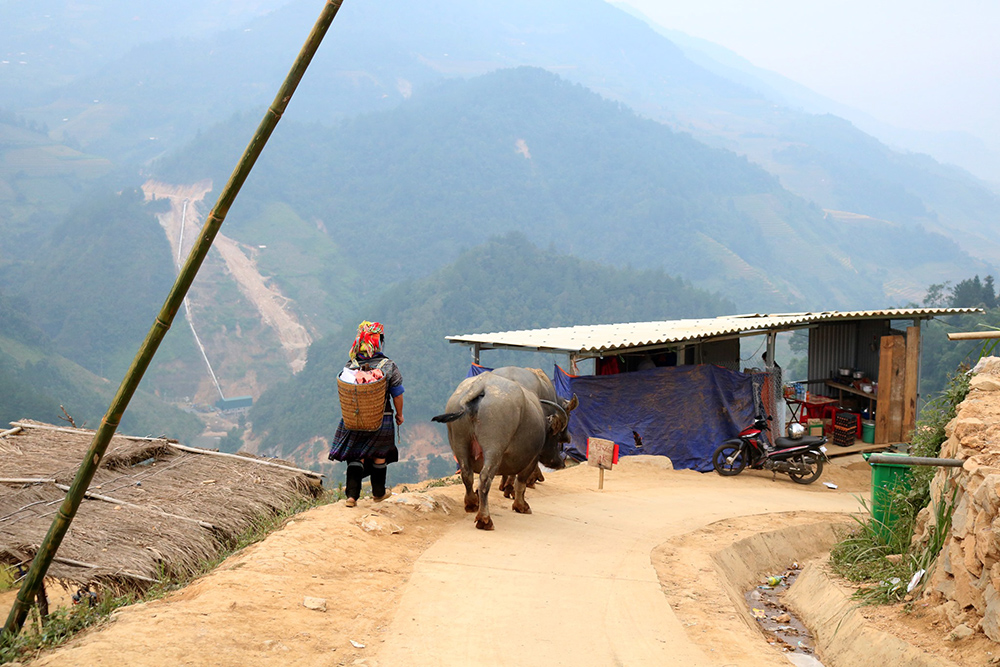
(965, 580)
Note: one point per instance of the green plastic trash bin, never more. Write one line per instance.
(888, 480)
(868, 431)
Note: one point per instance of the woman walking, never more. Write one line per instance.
(369, 452)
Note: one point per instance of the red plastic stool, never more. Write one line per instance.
(830, 411)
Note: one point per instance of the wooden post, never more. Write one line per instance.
(891, 365)
(43, 604)
(898, 387)
(600, 483)
(910, 382)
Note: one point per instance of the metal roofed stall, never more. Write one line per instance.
(587, 341)
(864, 338)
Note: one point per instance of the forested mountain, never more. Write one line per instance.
(525, 150)
(37, 383)
(507, 283)
(379, 51)
(97, 281)
(40, 180)
(422, 130)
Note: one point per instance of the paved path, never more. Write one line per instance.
(573, 584)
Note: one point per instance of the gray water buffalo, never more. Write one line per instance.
(496, 426)
(537, 382)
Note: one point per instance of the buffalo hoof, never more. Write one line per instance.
(484, 525)
(522, 509)
(508, 492)
(471, 507)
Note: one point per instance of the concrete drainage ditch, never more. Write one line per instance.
(839, 632)
(785, 631)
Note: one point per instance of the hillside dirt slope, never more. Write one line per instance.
(181, 225)
(571, 584)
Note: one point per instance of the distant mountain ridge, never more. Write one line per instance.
(38, 383)
(524, 150)
(424, 130)
(505, 283)
(958, 148)
(379, 52)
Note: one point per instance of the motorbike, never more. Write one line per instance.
(801, 457)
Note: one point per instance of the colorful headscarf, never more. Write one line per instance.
(368, 341)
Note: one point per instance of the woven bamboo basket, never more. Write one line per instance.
(362, 405)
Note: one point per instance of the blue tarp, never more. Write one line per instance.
(476, 369)
(682, 412)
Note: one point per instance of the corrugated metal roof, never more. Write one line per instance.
(606, 337)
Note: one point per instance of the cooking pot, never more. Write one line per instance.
(857, 375)
(845, 372)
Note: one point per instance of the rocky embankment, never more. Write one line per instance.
(965, 581)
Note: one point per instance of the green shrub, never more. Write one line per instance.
(862, 556)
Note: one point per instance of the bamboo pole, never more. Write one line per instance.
(26, 480)
(184, 448)
(246, 459)
(145, 508)
(92, 566)
(109, 424)
(974, 335)
(59, 429)
(78, 431)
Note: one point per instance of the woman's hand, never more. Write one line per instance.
(397, 403)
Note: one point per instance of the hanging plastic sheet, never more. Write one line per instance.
(681, 412)
(476, 369)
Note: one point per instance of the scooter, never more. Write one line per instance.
(801, 458)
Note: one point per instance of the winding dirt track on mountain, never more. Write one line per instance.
(572, 584)
(271, 304)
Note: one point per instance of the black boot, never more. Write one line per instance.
(379, 492)
(355, 473)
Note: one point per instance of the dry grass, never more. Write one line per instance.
(142, 537)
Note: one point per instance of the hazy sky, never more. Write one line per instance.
(920, 64)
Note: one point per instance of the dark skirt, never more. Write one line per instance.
(351, 445)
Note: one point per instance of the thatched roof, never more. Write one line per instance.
(155, 508)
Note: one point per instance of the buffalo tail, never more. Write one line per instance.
(469, 403)
(447, 417)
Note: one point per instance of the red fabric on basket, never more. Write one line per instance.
(366, 377)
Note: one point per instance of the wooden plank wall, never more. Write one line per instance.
(899, 371)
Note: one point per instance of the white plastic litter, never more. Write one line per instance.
(830, 485)
(915, 579)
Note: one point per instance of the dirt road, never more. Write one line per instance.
(572, 584)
